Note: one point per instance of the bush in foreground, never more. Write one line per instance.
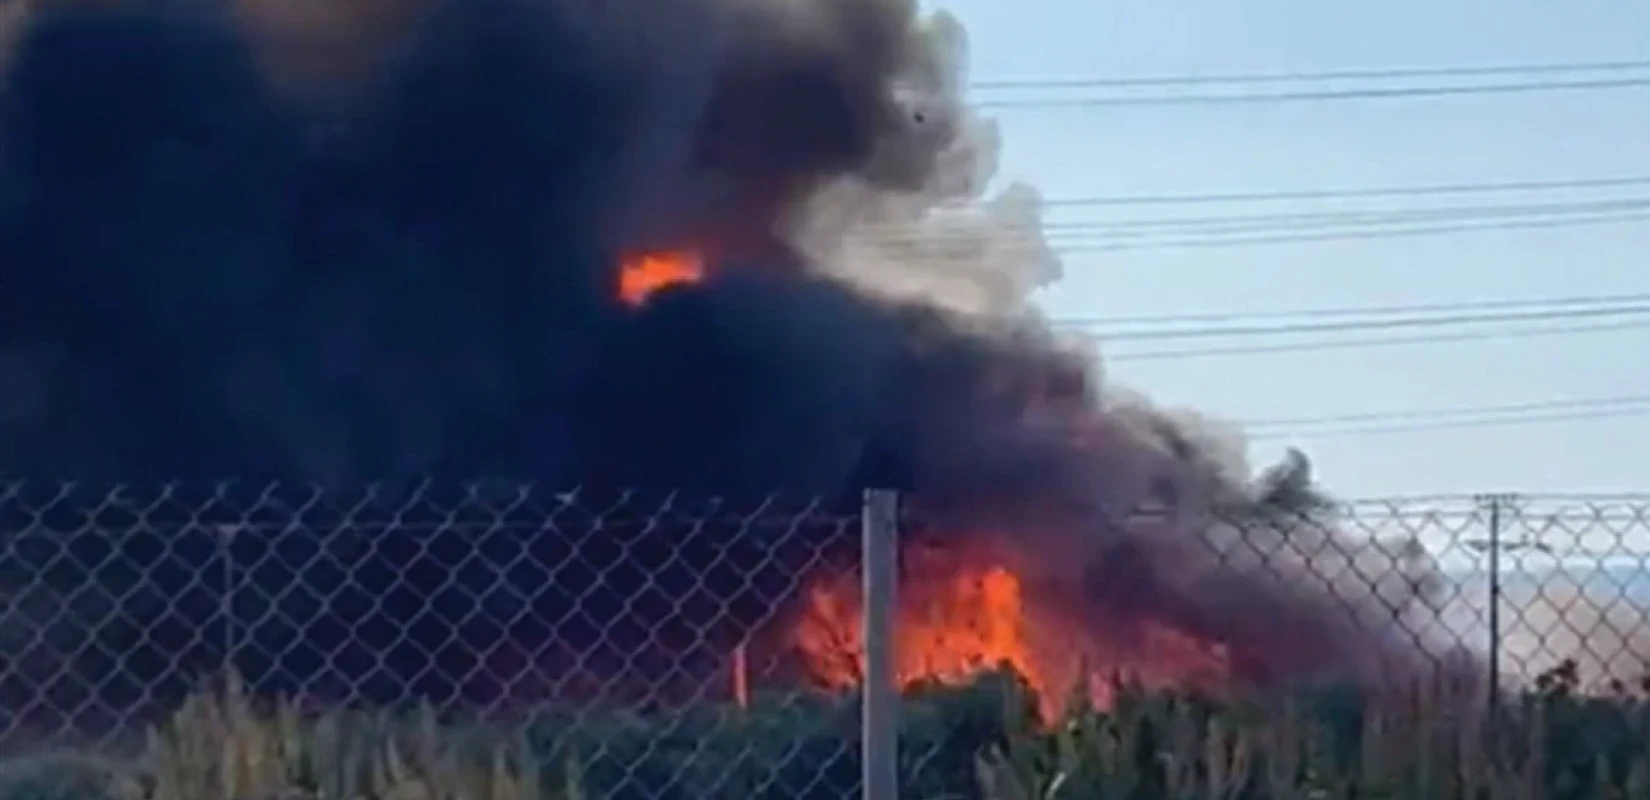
(979, 741)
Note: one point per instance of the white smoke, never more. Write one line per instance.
(951, 242)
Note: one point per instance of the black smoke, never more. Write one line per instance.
(214, 284)
(394, 295)
(207, 278)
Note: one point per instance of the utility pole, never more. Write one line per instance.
(1492, 547)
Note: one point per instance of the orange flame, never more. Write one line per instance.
(958, 617)
(641, 276)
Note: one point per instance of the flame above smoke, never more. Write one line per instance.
(642, 275)
(961, 613)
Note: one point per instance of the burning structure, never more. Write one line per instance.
(337, 243)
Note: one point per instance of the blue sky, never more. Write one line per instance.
(1069, 152)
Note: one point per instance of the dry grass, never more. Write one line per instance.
(226, 745)
(222, 745)
(1549, 747)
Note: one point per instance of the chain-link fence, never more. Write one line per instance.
(574, 616)
(672, 646)
(1533, 583)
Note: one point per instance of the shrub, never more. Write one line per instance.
(981, 741)
(1545, 745)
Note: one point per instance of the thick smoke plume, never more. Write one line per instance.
(339, 242)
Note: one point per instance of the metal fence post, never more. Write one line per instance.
(879, 740)
(226, 543)
(1495, 599)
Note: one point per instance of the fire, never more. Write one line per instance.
(959, 615)
(641, 276)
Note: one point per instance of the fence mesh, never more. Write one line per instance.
(507, 606)
(708, 646)
(1535, 583)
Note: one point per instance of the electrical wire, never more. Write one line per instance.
(1420, 190)
(1584, 497)
(1304, 77)
(1397, 416)
(1245, 229)
(1372, 342)
(1354, 234)
(1590, 416)
(1367, 310)
(1241, 223)
(1388, 93)
(1523, 499)
(1370, 324)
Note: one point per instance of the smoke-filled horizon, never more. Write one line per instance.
(235, 247)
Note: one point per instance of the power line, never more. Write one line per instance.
(1339, 194)
(1291, 221)
(1585, 497)
(1372, 324)
(1267, 229)
(1302, 77)
(1465, 424)
(1352, 344)
(1354, 234)
(1395, 92)
(1368, 310)
(1514, 408)
(1523, 497)
(1229, 223)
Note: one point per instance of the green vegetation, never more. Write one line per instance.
(978, 741)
